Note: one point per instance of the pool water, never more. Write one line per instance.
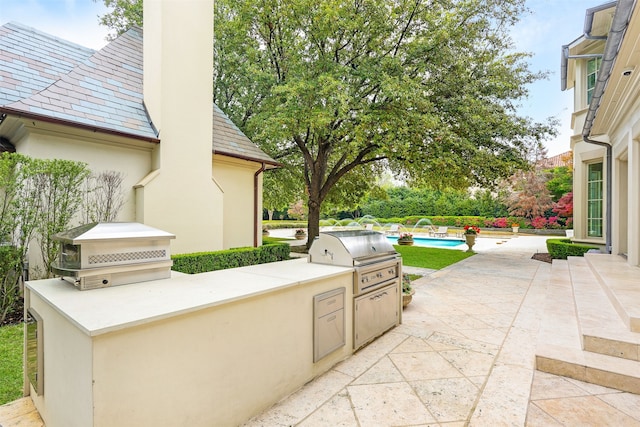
(430, 242)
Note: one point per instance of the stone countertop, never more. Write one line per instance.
(99, 311)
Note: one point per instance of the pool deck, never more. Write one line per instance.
(463, 356)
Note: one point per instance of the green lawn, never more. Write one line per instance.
(413, 256)
(434, 258)
(10, 363)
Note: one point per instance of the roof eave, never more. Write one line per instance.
(48, 119)
(272, 163)
(622, 15)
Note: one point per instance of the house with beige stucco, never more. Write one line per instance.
(602, 66)
(141, 106)
(591, 325)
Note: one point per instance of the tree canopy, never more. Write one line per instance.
(339, 91)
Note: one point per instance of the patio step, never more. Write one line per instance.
(577, 312)
(621, 282)
(602, 329)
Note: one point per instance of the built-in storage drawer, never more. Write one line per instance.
(374, 313)
(328, 323)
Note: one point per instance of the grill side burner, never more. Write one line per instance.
(376, 278)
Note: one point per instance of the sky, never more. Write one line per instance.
(550, 24)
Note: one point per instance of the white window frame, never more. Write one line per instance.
(595, 202)
(591, 83)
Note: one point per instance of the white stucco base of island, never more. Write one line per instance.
(212, 349)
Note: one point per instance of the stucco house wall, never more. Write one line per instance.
(236, 179)
(48, 141)
(614, 121)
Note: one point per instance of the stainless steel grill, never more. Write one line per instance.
(376, 278)
(351, 248)
(100, 255)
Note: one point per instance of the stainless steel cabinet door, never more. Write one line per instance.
(374, 313)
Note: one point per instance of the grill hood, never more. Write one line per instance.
(350, 247)
(111, 231)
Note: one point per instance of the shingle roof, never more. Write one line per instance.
(101, 90)
(43, 76)
(228, 139)
(32, 60)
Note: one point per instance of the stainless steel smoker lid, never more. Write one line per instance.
(101, 231)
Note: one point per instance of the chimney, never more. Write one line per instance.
(179, 194)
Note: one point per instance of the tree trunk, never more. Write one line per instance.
(313, 222)
(270, 213)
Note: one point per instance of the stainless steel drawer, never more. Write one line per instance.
(329, 304)
(328, 323)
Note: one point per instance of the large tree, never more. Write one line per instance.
(338, 91)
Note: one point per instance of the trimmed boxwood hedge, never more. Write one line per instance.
(201, 262)
(562, 248)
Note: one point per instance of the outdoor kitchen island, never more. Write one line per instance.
(210, 349)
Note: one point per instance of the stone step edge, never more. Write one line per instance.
(631, 319)
(574, 362)
(594, 368)
(612, 339)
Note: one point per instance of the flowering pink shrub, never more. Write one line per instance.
(539, 222)
(500, 223)
(564, 207)
(552, 222)
(569, 222)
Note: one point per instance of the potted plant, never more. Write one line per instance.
(515, 227)
(407, 290)
(405, 239)
(470, 234)
(300, 234)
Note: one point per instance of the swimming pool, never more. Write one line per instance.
(430, 242)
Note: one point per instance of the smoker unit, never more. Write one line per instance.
(376, 279)
(100, 255)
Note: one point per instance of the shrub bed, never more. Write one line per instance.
(276, 224)
(201, 262)
(563, 248)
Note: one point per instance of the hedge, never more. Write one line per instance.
(276, 224)
(201, 262)
(563, 248)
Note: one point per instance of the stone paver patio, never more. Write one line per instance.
(464, 355)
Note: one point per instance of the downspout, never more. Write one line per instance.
(608, 189)
(255, 204)
(616, 33)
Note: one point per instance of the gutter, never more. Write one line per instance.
(270, 162)
(564, 63)
(619, 25)
(588, 20)
(586, 33)
(92, 128)
(255, 203)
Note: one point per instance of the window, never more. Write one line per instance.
(593, 65)
(594, 200)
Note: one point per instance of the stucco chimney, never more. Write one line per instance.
(179, 195)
